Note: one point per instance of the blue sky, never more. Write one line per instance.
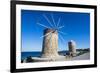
(76, 27)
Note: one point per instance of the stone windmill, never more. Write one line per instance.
(72, 48)
(50, 44)
(50, 38)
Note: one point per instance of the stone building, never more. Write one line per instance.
(50, 44)
(72, 48)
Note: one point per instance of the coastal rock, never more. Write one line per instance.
(29, 59)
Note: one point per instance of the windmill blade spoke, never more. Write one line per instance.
(62, 32)
(46, 34)
(53, 20)
(48, 20)
(43, 25)
(58, 22)
(62, 39)
(60, 27)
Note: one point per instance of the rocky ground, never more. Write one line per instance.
(84, 56)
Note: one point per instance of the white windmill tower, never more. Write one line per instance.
(50, 38)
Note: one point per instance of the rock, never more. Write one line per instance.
(29, 59)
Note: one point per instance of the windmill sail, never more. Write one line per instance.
(46, 34)
(58, 22)
(43, 25)
(50, 38)
(53, 20)
(48, 20)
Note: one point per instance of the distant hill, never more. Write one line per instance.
(86, 49)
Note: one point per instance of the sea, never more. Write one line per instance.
(38, 54)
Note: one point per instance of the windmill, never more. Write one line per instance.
(50, 37)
